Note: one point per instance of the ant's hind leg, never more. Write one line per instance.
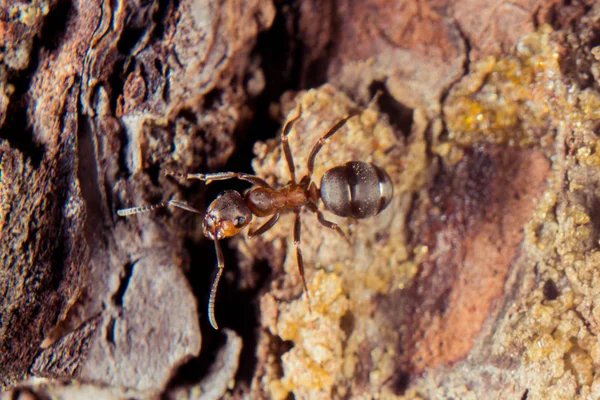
(327, 223)
(222, 176)
(297, 243)
(332, 225)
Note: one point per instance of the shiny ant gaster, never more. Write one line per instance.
(354, 190)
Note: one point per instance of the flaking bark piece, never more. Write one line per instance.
(64, 359)
(154, 328)
(221, 375)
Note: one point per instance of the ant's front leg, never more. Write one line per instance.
(264, 227)
(222, 176)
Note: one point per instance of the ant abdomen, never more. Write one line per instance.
(356, 190)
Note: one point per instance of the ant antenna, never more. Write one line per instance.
(138, 210)
(215, 285)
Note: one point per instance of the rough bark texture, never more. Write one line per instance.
(480, 280)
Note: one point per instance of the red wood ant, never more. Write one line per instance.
(354, 190)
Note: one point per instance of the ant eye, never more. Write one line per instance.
(239, 221)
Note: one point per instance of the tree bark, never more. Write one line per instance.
(478, 280)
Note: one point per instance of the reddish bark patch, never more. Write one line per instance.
(430, 31)
(473, 227)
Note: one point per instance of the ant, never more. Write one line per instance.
(353, 190)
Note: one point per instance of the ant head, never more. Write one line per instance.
(226, 216)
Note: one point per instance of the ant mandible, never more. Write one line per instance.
(354, 190)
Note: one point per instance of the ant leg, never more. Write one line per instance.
(312, 207)
(321, 142)
(287, 151)
(215, 285)
(333, 226)
(138, 210)
(265, 227)
(297, 243)
(222, 176)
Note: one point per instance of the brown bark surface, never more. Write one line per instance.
(478, 281)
